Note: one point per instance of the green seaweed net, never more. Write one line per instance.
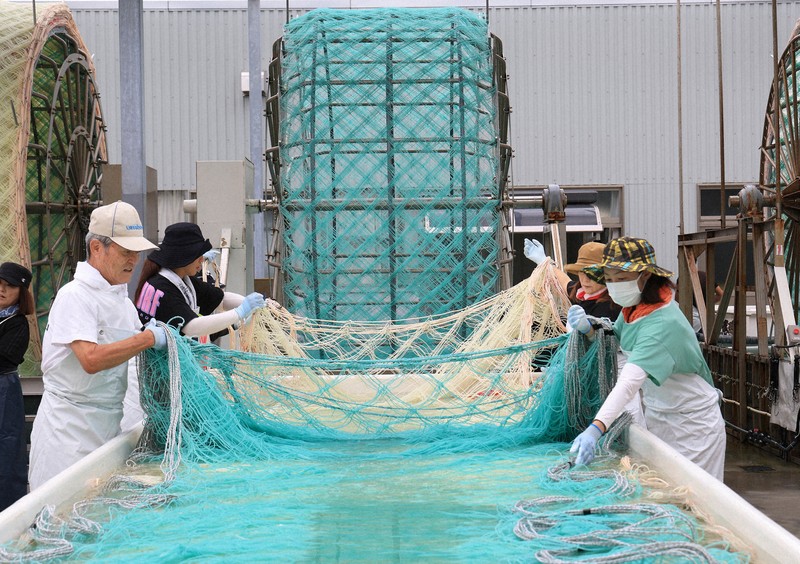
(240, 480)
(388, 163)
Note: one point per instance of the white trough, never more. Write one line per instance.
(767, 541)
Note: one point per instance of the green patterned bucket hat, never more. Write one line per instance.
(629, 254)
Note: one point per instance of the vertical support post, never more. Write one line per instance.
(776, 109)
(680, 119)
(256, 112)
(133, 173)
(722, 206)
(684, 282)
(131, 79)
(761, 288)
(711, 286)
(739, 325)
(558, 242)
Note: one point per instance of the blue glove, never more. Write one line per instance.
(578, 320)
(159, 333)
(251, 303)
(534, 251)
(211, 255)
(585, 443)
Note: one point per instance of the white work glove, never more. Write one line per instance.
(159, 333)
(534, 251)
(578, 320)
(211, 255)
(251, 303)
(585, 444)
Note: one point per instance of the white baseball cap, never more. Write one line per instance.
(120, 222)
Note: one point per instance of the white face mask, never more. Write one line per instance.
(626, 293)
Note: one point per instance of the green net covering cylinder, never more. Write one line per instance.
(388, 157)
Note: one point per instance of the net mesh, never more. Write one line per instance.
(320, 379)
(51, 148)
(16, 34)
(388, 186)
(391, 455)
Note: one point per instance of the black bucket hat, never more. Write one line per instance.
(182, 244)
(15, 274)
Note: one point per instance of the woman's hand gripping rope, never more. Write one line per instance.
(159, 333)
(251, 303)
(585, 444)
(578, 320)
(586, 324)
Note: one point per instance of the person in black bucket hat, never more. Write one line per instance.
(664, 360)
(16, 302)
(170, 291)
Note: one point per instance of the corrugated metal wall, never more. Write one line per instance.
(593, 90)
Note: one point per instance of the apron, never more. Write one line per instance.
(696, 428)
(70, 425)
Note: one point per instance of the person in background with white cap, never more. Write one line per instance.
(16, 302)
(92, 332)
(664, 361)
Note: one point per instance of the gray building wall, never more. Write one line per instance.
(593, 88)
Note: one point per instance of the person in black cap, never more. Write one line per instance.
(15, 303)
(169, 290)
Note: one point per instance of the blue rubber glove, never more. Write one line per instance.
(159, 333)
(251, 303)
(211, 255)
(534, 251)
(578, 320)
(585, 443)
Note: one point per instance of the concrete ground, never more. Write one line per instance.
(764, 480)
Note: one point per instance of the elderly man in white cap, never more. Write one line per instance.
(92, 332)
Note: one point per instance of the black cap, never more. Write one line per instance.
(183, 243)
(15, 274)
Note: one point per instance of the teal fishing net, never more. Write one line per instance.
(388, 186)
(247, 455)
(356, 503)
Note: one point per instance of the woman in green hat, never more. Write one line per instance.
(680, 401)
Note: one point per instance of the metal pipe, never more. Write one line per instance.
(680, 121)
(759, 439)
(40, 208)
(255, 112)
(190, 206)
(779, 235)
(722, 214)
